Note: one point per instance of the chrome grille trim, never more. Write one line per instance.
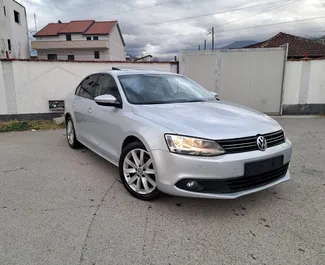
(246, 144)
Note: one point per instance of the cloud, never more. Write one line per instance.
(147, 30)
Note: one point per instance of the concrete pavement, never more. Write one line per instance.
(61, 206)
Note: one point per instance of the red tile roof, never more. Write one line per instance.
(79, 26)
(298, 47)
(100, 28)
(86, 27)
(51, 29)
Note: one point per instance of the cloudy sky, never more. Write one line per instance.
(163, 27)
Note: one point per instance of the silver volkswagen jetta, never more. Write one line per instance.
(166, 133)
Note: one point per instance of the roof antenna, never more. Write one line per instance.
(59, 21)
(115, 68)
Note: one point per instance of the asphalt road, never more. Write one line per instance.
(61, 206)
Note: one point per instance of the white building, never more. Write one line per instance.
(82, 40)
(14, 40)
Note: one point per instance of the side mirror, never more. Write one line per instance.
(214, 94)
(107, 100)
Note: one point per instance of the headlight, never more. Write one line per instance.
(284, 134)
(192, 146)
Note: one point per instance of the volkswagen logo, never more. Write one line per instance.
(261, 143)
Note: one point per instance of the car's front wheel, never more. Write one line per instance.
(137, 172)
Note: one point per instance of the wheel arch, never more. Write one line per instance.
(67, 115)
(134, 138)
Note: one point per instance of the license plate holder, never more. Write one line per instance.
(263, 166)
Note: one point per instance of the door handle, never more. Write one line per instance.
(89, 110)
(73, 104)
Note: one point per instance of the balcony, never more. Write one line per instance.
(74, 44)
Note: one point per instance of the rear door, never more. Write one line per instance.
(83, 104)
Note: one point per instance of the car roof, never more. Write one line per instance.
(120, 71)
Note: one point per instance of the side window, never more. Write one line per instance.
(107, 85)
(88, 86)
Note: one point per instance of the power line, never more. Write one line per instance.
(262, 12)
(141, 8)
(211, 14)
(181, 36)
(322, 29)
(287, 2)
(279, 23)
(195, 42)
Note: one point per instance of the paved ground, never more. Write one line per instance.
(60, 206)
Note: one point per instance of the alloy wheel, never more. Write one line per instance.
(70, 132)
(138, 171)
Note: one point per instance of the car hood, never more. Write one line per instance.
(213, 120)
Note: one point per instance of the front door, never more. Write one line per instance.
(107, 120)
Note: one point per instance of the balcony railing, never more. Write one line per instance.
(74, 44)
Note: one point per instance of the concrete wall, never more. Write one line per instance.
(79, 54)
(304, 87)
(316, 93)
(117, 49)
(16, 32)
(27, 86)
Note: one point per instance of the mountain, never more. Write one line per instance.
(239, 44)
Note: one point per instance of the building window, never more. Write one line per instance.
(9, 45)
(52, 56)
(70, 57)
(88, 38)
(68, 37)
(96, 54)
(95, 38)
(17, 16)
(4, 11)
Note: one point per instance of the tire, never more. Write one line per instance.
(71, 135)
(138, 175)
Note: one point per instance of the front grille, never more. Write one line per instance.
(247, 144)
(236, 184)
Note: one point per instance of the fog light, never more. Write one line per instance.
(194, 185)
(191, 184)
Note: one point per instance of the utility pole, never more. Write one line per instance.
(212, 34)
(212, 38)
(35, 22)
(205, 44)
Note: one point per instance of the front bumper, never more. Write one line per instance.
(172, 168)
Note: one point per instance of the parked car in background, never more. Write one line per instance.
(168, 134)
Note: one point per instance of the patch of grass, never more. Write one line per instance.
(28, 125)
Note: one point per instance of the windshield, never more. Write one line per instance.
(161, 89)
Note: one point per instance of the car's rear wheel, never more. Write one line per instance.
(137, 172)
(71, 134)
